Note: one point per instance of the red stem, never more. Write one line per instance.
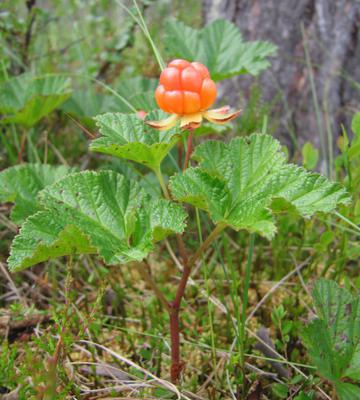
(22, 148)
(176, 364)
(188, 149)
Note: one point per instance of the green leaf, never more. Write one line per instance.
(219, 45)
(321, 351)
(302, 396)
(355, 124)
(95, 213)
(27, 99)
(21, 184)
(238, 182)
(347, 391)
(353, 371)
(333, 339)
(127, 136)
(310, 156)
(280, 390)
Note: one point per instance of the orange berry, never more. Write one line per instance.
(185, 88)
(180, 64)
(192, 102)
(191, 79)
(170, 78)
(174, 101)
(208, 93)
(201, 68)
(160, 98)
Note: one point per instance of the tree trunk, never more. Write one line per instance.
(331, 36)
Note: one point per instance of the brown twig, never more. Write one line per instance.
(90, 134)
(27, 322)
(269, 352)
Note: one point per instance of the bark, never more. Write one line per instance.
(331, 34)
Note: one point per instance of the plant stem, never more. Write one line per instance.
(176, 364)
(218, 229)
(173, 308)
(160, 178)
(188, 149)
(22, 147)
(242, 334)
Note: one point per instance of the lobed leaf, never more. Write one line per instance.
(27, 99)
(237, 183)
(127, 136)
(21, 184)
(321, 352)
(95, 213)
(333, 339)
(219, 46)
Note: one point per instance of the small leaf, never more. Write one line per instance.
(280, 390)
(333, 339)
(127, 136)
(321, 351)
(27, 99)
(219, 46)
(238, 182)
(310, 156)
(21, 184)
(95, 213)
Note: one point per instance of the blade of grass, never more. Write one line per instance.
(141, 22)
(357, 228)
(242, 333)
(315, 99)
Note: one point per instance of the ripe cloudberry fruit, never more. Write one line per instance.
(185, 88)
